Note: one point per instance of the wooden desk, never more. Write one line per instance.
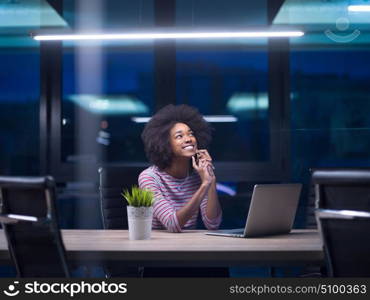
(190, 248)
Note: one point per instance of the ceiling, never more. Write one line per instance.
(19, 17)
(326, 23)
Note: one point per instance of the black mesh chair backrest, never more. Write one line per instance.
(29, 219)
(342, 188)
(113, 179)
(346, 240)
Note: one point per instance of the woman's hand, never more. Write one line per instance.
(203, 154)
(204, 167)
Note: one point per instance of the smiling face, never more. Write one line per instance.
(182, 140)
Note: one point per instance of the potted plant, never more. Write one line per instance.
(139, 212)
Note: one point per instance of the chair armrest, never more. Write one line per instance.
(13, 219)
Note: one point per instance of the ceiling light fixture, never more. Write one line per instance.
(211, 118)
(359, 8)
(179, 35)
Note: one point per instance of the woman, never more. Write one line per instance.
(181, 177)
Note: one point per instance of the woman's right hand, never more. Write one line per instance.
(205, 170)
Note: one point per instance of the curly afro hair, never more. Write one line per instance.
(156, 134)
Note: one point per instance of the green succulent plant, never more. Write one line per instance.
(138, 197)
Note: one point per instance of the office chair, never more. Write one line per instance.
(29, 220)
(113, 179)
(345, 234)
(342, 189)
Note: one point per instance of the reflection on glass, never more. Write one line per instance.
(331, 108)
(232, 83)
(100, 98)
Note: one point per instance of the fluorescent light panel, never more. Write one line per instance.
(180, 35)
(213, 119)
(359, 8)
(226, 189)
(220, 119)
(110, 104)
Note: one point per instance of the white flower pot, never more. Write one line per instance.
(139, 222)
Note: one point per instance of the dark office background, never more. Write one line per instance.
(328, 110)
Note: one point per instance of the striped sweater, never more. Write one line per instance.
(171, 194)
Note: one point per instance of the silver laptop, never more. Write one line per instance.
(272, 211)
